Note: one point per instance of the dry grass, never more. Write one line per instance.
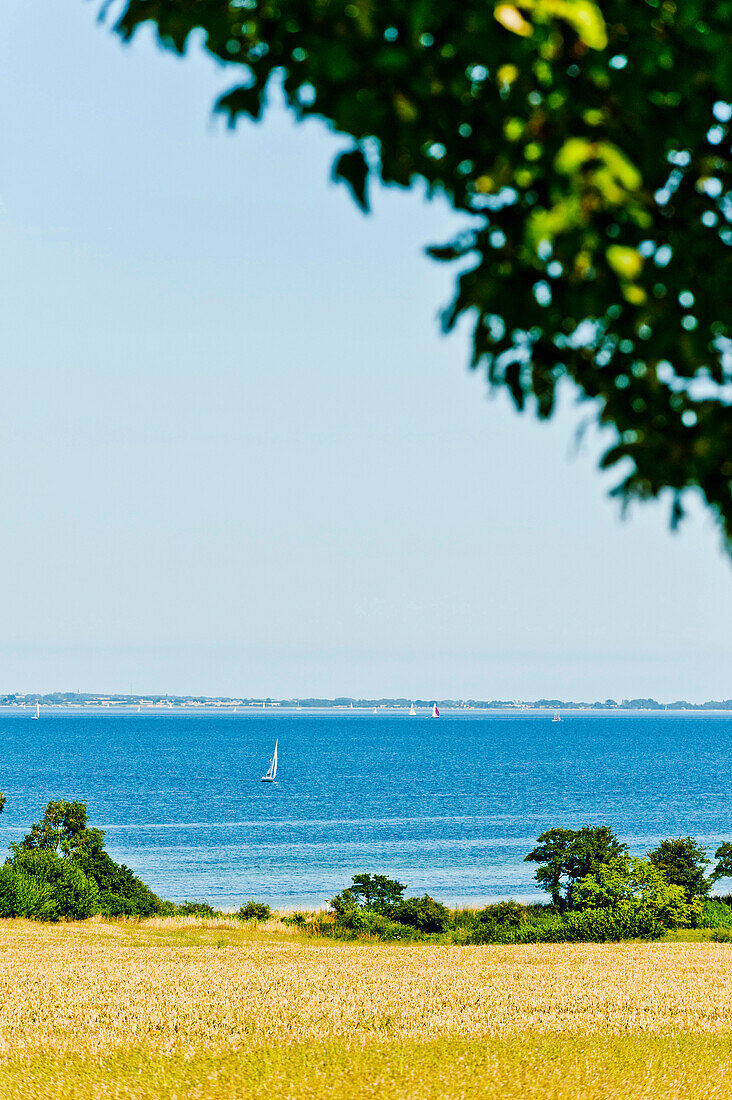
(191, 1008)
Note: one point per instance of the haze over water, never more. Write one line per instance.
(449, 806)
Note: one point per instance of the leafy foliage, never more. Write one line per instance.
(41, 884)
(567, 855)
(61, 870)
(635, 882)
(254, 910)
(197, 909)
(625, 921)
(711, 913)
(63, 828)
(723, 856)
(589, 146)
(376, 892)
(683, 862)
(423, 913)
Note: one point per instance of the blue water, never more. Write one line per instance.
(450, 806)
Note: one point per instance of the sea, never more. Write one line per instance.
(449, 806)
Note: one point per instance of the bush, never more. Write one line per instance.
(504, 914)
(62, 850)
(121, 893)
(24, 895)
(358, 923)
(712, 914)
(626, 921)
(636, 883)
(254, 910)
(197, 909)
(722, 934)
(299, 919)
(425, 914)
(39, 884)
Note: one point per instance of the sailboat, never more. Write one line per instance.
(435, 711)
(412, 711)
(38, 711)
(272, 769)
(557, 716)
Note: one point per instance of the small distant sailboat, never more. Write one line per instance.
(557, 716)
(376, 711)
(435, 711)
(272, 769)
(412, 711)
(38, 711)
(139, 708)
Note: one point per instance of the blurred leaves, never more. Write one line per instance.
(589, 146)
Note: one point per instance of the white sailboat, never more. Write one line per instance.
(557, 716)
(38, 711)
(412, 711)
(272, 769)
(435, 711)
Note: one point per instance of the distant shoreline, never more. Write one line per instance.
(172, 704)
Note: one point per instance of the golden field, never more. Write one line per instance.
(190, 1009)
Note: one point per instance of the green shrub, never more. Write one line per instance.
(712, 914)
(197, 909)
(254, 910)
(299, 919)
(121, 893)
(58, 888)
(626, 921)
(359, 923)
(24, 895)
(722, 934)
(425, 914)
(74, 858)
(504, 914)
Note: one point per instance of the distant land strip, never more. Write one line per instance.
(72, 699)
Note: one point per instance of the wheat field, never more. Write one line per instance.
(213, 1009)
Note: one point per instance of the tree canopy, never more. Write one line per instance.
(588, 144)
(683, 862)
(60, 869)
(567, 855)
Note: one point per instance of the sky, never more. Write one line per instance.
(238, 456)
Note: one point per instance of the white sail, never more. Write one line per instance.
(272, 769)
(557, 716)
(38, 710)
(435, 711)
(412, 710)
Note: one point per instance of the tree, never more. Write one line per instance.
(625, 880)
(588, 143)
(2, 802)
(683, 862)
(63, 828)
(61, 847)
(377, 891)
(723, 856)
(567, 855)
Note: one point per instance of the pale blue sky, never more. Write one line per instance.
(237, 454)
